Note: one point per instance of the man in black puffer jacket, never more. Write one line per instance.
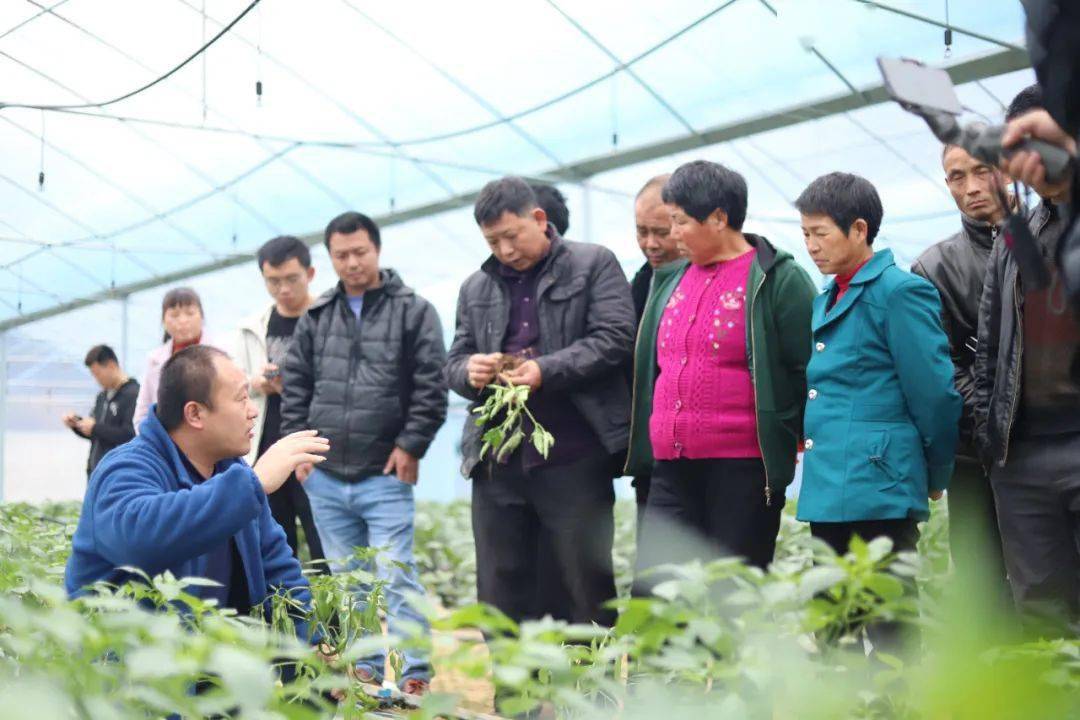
(365, 369)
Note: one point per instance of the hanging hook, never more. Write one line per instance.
(41, 165)
(393, 183)
(948, 32)
(258, 56)
(615, 110)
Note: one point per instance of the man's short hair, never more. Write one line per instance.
(509, 194)
(553, 203)
(1028, 99)
(280, 250)
(188, 376)
(701, 187)
(654, 183)
(101, 355)
(350, 222)
(844, 198)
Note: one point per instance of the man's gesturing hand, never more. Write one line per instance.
(284, 456)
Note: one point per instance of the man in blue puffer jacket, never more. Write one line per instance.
(179, 498)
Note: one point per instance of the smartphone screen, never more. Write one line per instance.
(913, 84)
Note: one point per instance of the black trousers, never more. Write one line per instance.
(887, 636)
(704, 509)
(289, 504)
(551, 521)
(1038, 508)
(974, 537)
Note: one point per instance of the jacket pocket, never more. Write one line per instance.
(565, 307)
(878, 455)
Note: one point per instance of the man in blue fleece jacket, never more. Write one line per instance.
(180, 498)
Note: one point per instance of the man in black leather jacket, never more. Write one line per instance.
(956, 266)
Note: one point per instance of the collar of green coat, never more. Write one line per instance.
(881, 261)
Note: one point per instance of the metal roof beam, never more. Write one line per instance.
(970, 70)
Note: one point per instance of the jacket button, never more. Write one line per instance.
(678, 404)
(809, 444)
(820, 346)
(812, 394)
(683, 361)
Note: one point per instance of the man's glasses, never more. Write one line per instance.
(275, 283)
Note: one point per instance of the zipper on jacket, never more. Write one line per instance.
(1020, 366)
(1020, 353)
(633, 387)
(753, 369)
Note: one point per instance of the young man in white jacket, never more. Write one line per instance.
(263, 343)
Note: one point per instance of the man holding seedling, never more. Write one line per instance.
(553, 320)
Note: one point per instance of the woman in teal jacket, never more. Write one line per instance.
(882, 411)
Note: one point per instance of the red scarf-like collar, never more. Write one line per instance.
(177, 347)
(843, 282)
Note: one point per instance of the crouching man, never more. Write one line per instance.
(180, 498)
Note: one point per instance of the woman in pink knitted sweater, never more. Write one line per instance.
(721, 379)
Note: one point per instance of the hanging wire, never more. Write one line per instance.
(614, 111)
(148, 85)
(948, 32)
(258, 58)
(204, 103)
(393, 183)
(41, 160)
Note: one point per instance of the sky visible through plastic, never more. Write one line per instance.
(386, 106)
(380, 106)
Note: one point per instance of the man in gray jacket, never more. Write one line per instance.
(365, 369)
(562, 311)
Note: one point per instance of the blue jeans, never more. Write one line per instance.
(376, 512)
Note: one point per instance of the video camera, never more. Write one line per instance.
(928, 92)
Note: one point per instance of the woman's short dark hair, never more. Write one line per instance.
(844, 198)
(701, 187)
(349, 222)
(280, 250)
(509, 194)
(188, 376)
(101, 355)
